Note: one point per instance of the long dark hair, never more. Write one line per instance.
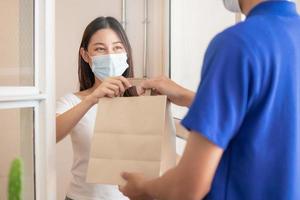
(85, 74)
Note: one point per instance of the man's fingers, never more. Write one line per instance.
(121, 188)
(126, 176)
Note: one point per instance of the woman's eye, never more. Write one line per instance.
(118, 47)
(100, 49)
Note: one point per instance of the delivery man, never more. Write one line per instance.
(245, 117)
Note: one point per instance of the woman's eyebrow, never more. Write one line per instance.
(99, 43)
(118, 42)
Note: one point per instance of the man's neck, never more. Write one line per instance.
(247, 5)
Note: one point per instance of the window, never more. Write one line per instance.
(27, 100)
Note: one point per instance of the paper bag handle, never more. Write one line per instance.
(133, 90)
(148, 92)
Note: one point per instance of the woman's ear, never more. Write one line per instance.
(84, 55)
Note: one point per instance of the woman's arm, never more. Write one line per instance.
(66, 121)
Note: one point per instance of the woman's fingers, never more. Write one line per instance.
(118, 83)
(121, 82)
(125, 81)
(107, 89)
(110, 87)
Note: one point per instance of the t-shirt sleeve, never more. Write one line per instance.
(63, 104)
(221, 100)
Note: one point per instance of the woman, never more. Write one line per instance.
(104, 63)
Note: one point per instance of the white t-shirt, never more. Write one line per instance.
(81, 136)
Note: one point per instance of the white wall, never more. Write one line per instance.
(72, 16)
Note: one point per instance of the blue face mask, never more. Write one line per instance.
(109, 65)
(232, 5)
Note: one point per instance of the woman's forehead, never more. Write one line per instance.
(105, 36)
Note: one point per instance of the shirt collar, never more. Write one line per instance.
(274, 7)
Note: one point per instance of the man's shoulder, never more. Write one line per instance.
(244, 36)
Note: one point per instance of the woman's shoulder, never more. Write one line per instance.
(82, 94)
(72, 99)
(69, 97)
(68, 100)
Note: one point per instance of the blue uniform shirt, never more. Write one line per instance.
(248, 103)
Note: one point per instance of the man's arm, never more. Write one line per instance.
(175, 93)
(190, 180)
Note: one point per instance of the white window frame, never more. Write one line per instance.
(40, 97)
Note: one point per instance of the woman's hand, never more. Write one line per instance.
(110, 87)
(175, 93)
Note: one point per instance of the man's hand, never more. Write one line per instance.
(134, 187)
(175, 93)
(191, 179)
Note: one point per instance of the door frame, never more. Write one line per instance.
(40, 97)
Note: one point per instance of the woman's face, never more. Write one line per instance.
(104, 41)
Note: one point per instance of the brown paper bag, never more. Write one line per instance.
(132, 134)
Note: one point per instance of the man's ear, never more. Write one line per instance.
(84, 55)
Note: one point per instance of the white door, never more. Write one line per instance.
(27, 117)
